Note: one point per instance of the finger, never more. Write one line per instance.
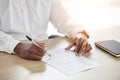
(88, 48)
(71, 44)
(39, 46)
(82, 50)
(38, 50)
(43, 48)
(79, 44)
(42, 44)
(83, 47)
(32, 56)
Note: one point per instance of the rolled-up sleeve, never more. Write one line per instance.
(62, 21)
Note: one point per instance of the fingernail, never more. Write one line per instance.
(80, 54)
(76, 53)
(66, 48)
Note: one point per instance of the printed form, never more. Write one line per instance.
(67, 62)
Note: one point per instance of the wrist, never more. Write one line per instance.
(18, 48)
(84, 33)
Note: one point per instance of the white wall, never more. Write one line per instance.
(94, 14)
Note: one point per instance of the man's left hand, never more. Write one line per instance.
(81, 44)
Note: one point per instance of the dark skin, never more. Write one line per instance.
(32, 52)
(81, 45)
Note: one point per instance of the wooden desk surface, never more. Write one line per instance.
(15, 68)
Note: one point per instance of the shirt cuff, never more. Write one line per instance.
(12, 45)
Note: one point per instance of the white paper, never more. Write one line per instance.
(67, 62)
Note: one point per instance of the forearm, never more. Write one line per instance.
(63, 22)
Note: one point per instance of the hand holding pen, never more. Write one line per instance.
(36, 43)
(30, 51)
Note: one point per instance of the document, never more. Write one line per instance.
(67, 62)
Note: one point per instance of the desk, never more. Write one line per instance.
(15, 68)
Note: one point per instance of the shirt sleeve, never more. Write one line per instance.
(62, 21)
(7, 43)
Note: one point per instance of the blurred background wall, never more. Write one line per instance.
(93, 14)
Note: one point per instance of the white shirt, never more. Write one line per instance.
(19, 18)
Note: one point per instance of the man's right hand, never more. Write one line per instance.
(30, 51)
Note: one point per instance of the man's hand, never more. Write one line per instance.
(81, 44)
(30, 51)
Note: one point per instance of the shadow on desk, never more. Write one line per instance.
(14, 68)
(33, 66)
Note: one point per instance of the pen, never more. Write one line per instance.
(34, 42)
